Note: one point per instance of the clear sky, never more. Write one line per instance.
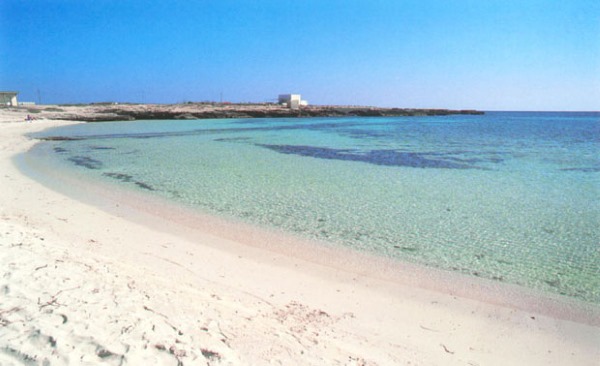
(483, 54)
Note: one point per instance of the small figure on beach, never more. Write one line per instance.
(28, 118)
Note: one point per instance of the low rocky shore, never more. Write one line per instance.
(100, 112)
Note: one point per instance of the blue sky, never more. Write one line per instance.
(490, 55)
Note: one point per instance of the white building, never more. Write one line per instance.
(8, 98)
(293, 101)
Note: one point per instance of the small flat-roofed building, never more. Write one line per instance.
(293, 101)
(8, 98)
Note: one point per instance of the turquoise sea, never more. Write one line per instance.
(512, 197)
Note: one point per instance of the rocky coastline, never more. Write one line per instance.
(101, 112)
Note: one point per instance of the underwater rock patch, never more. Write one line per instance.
(376, 157)
(86, 162)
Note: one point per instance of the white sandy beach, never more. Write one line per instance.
(82, 284)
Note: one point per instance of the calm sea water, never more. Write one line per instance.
(513, 197)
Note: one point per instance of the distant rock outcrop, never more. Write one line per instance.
(129, 112)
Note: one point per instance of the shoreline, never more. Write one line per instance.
(232, 302)
(189, 223)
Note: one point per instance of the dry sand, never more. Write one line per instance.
(81, 284)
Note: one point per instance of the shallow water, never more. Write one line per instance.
(512, 197)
